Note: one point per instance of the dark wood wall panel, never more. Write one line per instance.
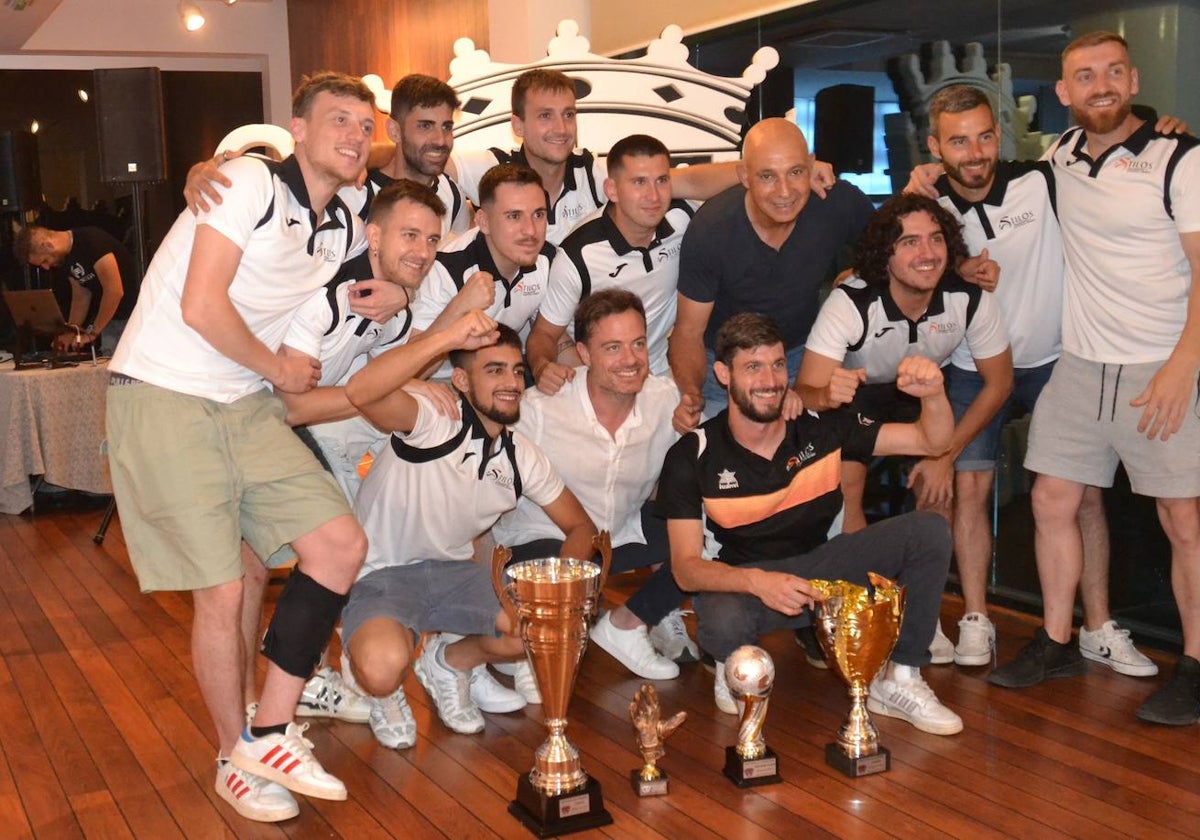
(381, 36)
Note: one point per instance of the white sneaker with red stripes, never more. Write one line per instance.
(287, 760)
(253, 796)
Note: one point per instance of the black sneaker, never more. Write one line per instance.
(1178, 702)
(806, 637)
(1041, 659)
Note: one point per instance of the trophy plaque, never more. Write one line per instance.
(857, 628)
(550, 601)
(652, 731)
(750, 673)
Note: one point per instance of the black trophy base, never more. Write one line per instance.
(864, 765)
(653, 787)
(751, 772)
(565, 813)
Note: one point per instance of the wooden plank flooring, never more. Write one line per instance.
(103, 734)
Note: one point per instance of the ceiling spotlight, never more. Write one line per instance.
(230, 2)
(190, 16)
(34, 126)
(83, 95)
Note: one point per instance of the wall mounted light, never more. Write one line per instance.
(34, 127)
(190, 16)
(83, 95)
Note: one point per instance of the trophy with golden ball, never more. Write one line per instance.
(750, 674)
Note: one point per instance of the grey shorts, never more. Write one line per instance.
(429, 596)
(1084, 425)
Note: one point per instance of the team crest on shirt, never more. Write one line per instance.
(727, 480)
(943, 328)
(499, 477)
(1136, 166)
(863, 420)
(665, 254)
(528, 288)
(1016, 220)
(324, 252)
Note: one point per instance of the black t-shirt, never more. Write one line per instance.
(89, 246)
(758, 509)
(725, 263)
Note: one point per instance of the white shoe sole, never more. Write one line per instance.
(880, 708)
(256, 814)
(295, 785)
(1120, 667)
(972, 658)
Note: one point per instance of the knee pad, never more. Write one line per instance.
(302, 624)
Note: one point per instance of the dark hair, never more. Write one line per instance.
(420, 91)
(404, 190)
(339, 84)
(508, 338)
(1094, 39)
(635, 145)
(539, 78)
(506, 173)
(956, 99)
(23, 242)
(599, 305)
(878, 241)
(745, 331)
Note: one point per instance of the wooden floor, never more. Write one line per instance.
(103, 734)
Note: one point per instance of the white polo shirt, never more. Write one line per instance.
(611, 476)
(327, 330)
(581, 195)
(1128, 279)
(861, 327)
(435, 489)
(595, 256)
(287, 254)
(457, 218)
(1016, 222)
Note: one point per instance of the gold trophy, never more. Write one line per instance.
(646, 714)
(750, 674)
(551, 601)
(858, 628)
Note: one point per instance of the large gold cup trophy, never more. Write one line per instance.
(858, 628)
(551, 601)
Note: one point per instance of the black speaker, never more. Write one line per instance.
(20, 175)
(129, 122)
(845, 128)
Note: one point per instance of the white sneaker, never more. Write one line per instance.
(287, 760)
(392, 720)
(721, 693)
(492, 697)
(941, 649)
(525, 681)
(253, 797)
(632, 649)
(907, 696)
(976, 640)
(449, 688)
(327, 695)
(1111, 646)
(670, 637)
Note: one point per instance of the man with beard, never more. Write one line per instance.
(1008, 209)
(607, 430)
(420, 575)
(905, 301)
(749, 497)
(503, 264)
(1124, 389)
(761, 246)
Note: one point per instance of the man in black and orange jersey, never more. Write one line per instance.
(749, 497)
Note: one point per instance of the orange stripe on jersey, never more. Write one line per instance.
(809, 483)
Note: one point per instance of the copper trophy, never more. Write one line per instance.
(551, 601)
(857, 628)
(646, 715)
(750, 675)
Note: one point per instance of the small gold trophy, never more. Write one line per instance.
(551, 600)
(858, 629)
(750, 674)
(652, 731)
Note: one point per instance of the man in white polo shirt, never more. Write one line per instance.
(632, 243)
(607, 431)
(441, 483)
(1124, 389)
(201, 457)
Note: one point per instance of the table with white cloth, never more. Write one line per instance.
(51, 425)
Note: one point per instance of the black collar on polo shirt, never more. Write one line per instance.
(937, 305)
(1135, 143)
(620, 244)
(290, 173)
(491, 447)
(482, 256)
(995, 197)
